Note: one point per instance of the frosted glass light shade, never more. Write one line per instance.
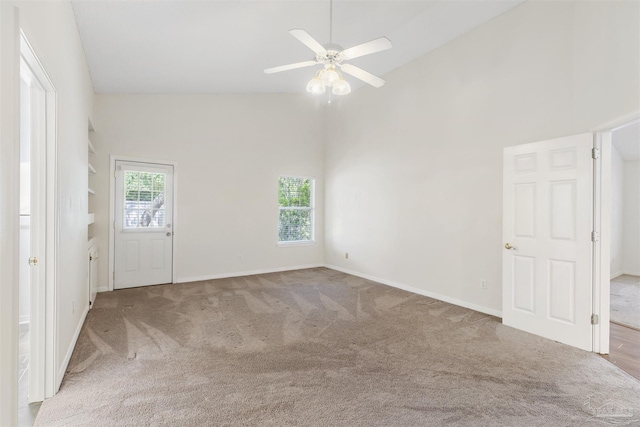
(330, 76)
(341, 87)
(315, 86)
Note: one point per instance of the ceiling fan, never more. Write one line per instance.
(333, 57)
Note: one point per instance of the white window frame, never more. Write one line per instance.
(312, 208)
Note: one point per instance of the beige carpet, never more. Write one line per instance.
(321, 348)
(625, 300)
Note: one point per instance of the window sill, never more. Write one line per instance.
(297, 243)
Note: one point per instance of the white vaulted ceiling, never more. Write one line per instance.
(216, 46)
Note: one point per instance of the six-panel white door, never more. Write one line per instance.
(547, 224)
(143, 224)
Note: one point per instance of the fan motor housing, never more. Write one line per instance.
(333, 54)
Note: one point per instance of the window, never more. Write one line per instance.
(144, 199)
(295, 198)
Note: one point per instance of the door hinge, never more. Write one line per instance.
(595, 319)
(595, 153)
(595, 236)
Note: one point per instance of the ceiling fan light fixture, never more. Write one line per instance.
(315, 85)
(330, 76)
(341, 87)
(332, 56)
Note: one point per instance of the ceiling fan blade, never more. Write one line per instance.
(372, 46)
(289, 67)
(308, 41)
(363, 75)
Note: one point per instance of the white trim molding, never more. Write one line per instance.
(418, 291)
(444, 298)
(72, 346)
(620, 122)
(247, 273)
(44, 333)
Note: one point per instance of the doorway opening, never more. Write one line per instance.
(36, 270)
(624, 292)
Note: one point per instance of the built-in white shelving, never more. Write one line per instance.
(92, 255)
(91, 170)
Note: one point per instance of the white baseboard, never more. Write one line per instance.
(25, 318)
(422, 292)
(72, 346)
(103, 289)
(407, 288)
(627, 272)
(246, 273)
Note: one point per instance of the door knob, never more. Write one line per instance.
(508, 246)
(168, 233)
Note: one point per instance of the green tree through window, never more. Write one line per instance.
(144, 199)
(295, 197)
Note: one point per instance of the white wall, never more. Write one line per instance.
(230, 150)
(9, 211)
(51, 29)
(414, 169)
(631, 218)
(617, 211)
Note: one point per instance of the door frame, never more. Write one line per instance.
(602, 226)
(112, 193)
(43, 383)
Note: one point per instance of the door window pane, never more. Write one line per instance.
(144, 199)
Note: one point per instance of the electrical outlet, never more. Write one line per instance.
(483, 284)
(346, 255)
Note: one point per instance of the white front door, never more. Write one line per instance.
(547, 225)
(143, 224)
